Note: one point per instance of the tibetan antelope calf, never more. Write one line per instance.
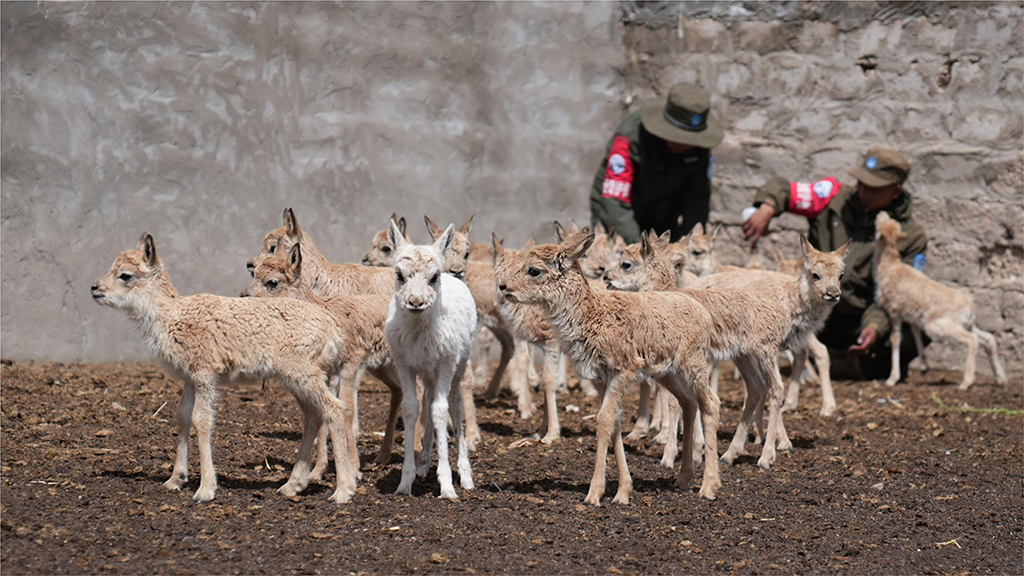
(381, 253)
(699, 258)
(910, 296)
(699, 252)
(807, 300)
(747, 328)
(622, 338)
(205, 339)
(361, 320)
(324, 277)
(430, 327)
(529, 323)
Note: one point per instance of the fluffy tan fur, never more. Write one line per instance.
(699, 255)
(807, 299)
(622, 338)
(747, 328)
(910, 296)
(530, 323)
(381, 252)
(323, 276)
(205, 339)
(361, 320)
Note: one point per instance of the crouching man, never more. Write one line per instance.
(838, 212)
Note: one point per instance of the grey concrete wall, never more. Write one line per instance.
(200, 122)
(804, 88)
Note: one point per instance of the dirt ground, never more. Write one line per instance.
(895, 483)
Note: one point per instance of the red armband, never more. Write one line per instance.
(811, 199)
(618, 177)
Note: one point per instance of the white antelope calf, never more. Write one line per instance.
(430, 327)
(622, 338)
(361, 320)
(479, 277)
(205, 339)
(747, 328)
(910, 296)
(807, 300)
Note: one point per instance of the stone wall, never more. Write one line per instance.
(200, 122)
(804, 88)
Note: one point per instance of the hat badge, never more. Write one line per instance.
(871, 163)
(695, 120)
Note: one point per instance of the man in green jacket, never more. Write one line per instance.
(839, 212)
(656, 171)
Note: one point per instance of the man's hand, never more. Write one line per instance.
(866, 340)
(755, 226)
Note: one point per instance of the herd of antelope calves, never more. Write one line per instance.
(659, 314)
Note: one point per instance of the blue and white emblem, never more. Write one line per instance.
(695, 120)
(711, 167)
(822, 188)
(871, 163)
(617, 163)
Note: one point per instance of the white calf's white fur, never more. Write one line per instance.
(430, 329)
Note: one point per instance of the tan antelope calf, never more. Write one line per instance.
(699, 252)
(361, 320)
(530, 323)
(910, 296)
(747, 328)
(700, 258)
(807, 300)
(623, 338)
(798, 359)
(381, 253)
(205, 339)
(324, 277)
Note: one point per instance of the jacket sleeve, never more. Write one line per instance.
(877, 317)
(775, 193)
(608, 210)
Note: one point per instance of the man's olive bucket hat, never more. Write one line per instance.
(683, 116)
(881, 167)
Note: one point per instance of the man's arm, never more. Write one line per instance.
(611, 193)
(771, 199)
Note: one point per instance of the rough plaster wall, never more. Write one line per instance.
(200, 122)
(804, 88)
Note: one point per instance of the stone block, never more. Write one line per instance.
(921, 36)
(787, 74)
(988, 309)
(760, 37)
(970, 77)
(817, 38)
(921, 123)
(1004, 177)
(1011, 81)
(705, 35)
(738, 80)
(986, 124)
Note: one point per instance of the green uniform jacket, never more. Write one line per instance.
(844, 219)
(658, 186)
